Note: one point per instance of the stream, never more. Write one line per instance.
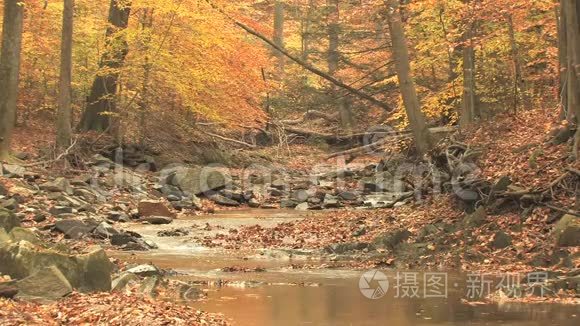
(281, 295)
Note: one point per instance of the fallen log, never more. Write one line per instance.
(235, 141)
(388, 136)
(312, 114)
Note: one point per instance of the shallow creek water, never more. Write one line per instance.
(323, 297)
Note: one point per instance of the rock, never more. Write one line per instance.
(224, 201)
(198, 181)
(150, 244)
(12, 170)
(47, 283)
(119, 216)
(300, 195)
(278, 184)
(501, 240)
(181, 232)
(39, 217)
(135, 246)
(122, 239)
(348, 195)
(156, 220)
(288, 203)
(105, 230)
(476, 218)
(170, 190)
(100, 160)
(57, 185)
(302, 207)
(74, 229)
(10, 204)
(236, 195)
(386, 200)
(18, 234)
(567, 231)
(154, 208)
(3, 190)
(254, 203)
(88, 195)
(275, 192)
(23, 156)
(4, 237)
(342, 248)
(330, 201)
(8, 220)
(121, 282)
(145, 270)
(87, 273)
(60, 210)
(8, 290)
(196, 202)
(149, 286)
(391, 240)
(96, 271)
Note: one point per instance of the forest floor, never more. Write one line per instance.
(430, 233)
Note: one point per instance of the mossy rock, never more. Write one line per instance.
(8, 220)
(567, 231)
(87, 273)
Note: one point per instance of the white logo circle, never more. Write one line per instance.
(373, 284)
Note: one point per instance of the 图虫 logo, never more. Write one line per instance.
(373, 284)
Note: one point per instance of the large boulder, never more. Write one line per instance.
(198, 181)
(567, 231)
(48, 283)
(154, 208)
(8, 220)
(87, 273)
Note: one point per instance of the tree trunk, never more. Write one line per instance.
(146, 25)
(307, 30)
(333, 61)
(63, 122)
(468, 103)
(520, 89)
(101, 101)
(416, 118)
(562, 63)
(572, 13)
(9, 70)
(279, 34)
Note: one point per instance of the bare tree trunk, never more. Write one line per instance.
(572, 13)
(63, 122)
(520, 89)
(562, 61)
(416, 118)
(9, 70)
(101, 101)
(333, 61)
(307, 30)
(146, 25)
(469, 101)
(279, 33)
